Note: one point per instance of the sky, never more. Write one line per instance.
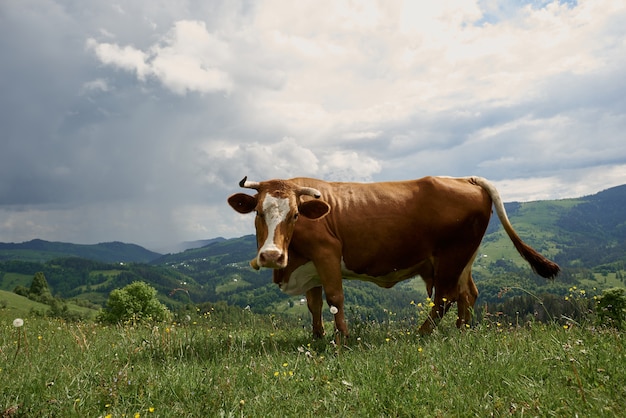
(134, 120)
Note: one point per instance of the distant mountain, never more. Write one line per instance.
(189, 245)
(39, 250)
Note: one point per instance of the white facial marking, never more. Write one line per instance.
(275, 211)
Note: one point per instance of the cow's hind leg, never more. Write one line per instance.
(314, 303)
(451, 281)
(467, 295)
(465, 304)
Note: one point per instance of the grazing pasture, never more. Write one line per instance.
(251, 365)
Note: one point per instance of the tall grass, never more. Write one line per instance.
(261, 366)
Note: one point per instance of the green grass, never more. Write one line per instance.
(8, 281)
(234, 284)
(19, 305)
(261, 366)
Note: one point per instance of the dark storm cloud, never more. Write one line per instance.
(135, 120)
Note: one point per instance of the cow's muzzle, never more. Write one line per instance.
(272, 259)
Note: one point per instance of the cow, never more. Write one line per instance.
(314, 233)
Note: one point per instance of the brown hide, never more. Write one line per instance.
(385, 233)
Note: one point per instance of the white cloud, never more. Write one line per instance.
(168, 105)
(187, 59)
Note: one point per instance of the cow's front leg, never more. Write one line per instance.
(439, 309)
(329, 270)
(335, 303)
(314, 302)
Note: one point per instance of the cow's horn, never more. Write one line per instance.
(310, 191)
(249, 184)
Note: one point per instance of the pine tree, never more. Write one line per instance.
(39, 290)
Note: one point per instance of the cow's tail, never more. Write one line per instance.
(540, 265)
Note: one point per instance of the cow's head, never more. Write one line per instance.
(278, 204)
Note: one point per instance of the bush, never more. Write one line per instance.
(611, 308)
(134, 302)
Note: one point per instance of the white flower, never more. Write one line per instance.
(333, 310)
(18, 322)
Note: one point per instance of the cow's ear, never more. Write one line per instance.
(242, 202)
(314, 209)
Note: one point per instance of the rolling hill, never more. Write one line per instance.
(586, 236)
(38, 250)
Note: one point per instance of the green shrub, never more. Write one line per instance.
(611, 308)
(134, 302)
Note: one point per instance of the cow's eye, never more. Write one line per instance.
(295, 216)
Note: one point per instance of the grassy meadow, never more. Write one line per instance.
(259, 366)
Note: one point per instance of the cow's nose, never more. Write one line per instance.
(272, 259)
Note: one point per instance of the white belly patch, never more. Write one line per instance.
(305, 278)
(302, 279)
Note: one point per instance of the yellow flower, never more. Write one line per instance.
(419, 349)
(137, 415)
(285, 364)
(151, 409)
(565, 326)
(276, 374)
(419, 305)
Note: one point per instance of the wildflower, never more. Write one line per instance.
(276, 374)
(412, 302)
(419, 349)
(151, 409)
(565, 326)
(285, 364)
(18, 322)
(137, 415)
(419, 305)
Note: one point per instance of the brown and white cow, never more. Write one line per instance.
(379, 232)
